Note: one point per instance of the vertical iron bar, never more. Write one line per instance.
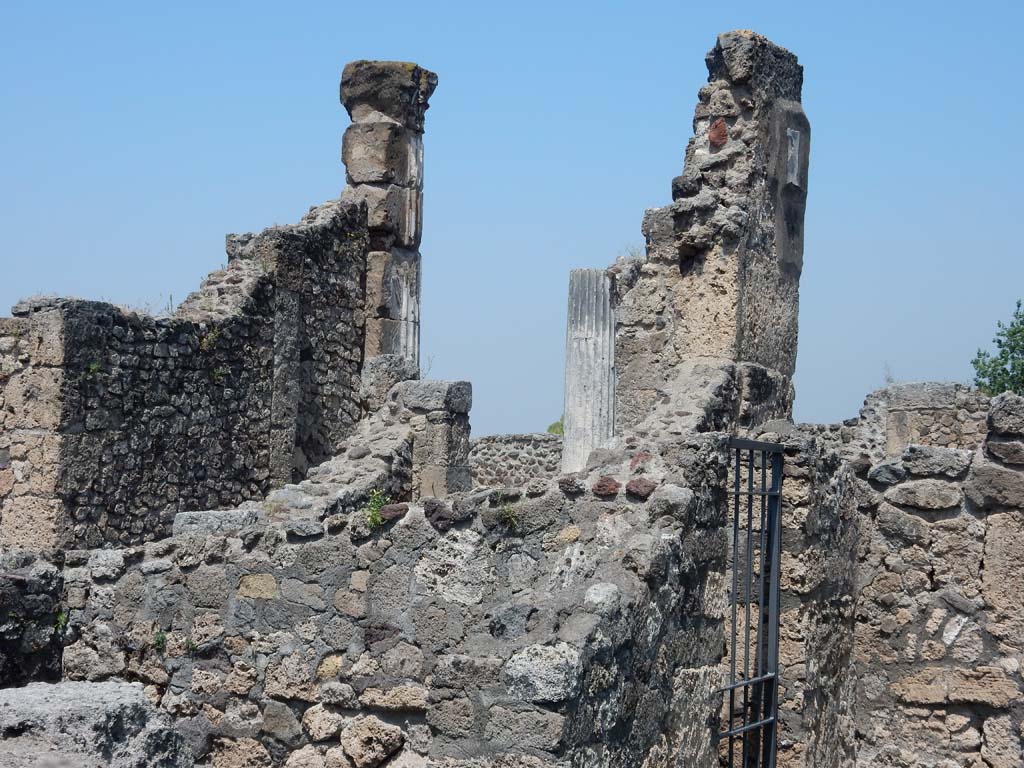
(774, 512)
(735, 576)
(759, 705)
(748, 584)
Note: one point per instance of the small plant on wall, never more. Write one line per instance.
(378, 500)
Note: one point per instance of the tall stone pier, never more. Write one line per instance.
(383, 154)
(718, 290)
(589, 417)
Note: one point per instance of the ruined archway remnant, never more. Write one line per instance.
(720, 282)
(383, 154)
(589, 417)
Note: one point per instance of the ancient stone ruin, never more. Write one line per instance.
(247, 534)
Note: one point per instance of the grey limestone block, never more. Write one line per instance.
(382, 153)
(87, 725)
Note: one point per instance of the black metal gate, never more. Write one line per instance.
(747, 738)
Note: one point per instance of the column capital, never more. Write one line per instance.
(387, 91)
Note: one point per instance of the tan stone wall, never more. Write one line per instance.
(940, 615)
(720, 279)
(31, 356)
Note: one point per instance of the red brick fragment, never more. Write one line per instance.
(641, 487)
(719, 133)
(606, 486)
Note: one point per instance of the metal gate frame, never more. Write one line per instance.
(750, 698)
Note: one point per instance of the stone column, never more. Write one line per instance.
(383, 154)
(589, 417)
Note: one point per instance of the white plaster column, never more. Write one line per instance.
(589, 416)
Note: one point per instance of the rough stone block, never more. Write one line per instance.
(1006, 414)
(380, 374)
(436, 480)
(1007, 451)
(544, 673)
(382, 153)
(925, 494)
(452, 396)
(1003, 578)
(924, 460)
(395, 210)
(33, 398)
(992, 485)
(208, 522)
(87, 725)
(369, 742)
(929, 395)
(31, 522)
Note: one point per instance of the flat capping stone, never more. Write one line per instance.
(923, 395)
(28, 307)
(398, 91)
(452, 396)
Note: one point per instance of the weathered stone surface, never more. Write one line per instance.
(1003, 578)
(322, 723)
(382, 153)
(544, 673)
(1002, 746)
(452, 569)
(261, 586)
(454, 396)
(240, 753)
(30, 610)
(1006, 414)
(88, 725)
(279, 721)
(925, 494)
(399, 698)
(307, 757)
(926, 460)
(991, 485)
(369, 741)
(606, 487)
(1007, 451)
(380, 374)
(641, 487)
(888, 472)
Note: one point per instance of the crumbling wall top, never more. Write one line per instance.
(745, 57)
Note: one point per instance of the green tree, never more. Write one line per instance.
(1004, 370)
(556, 428)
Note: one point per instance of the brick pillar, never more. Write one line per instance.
(383, 154)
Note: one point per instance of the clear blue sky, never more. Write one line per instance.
(134, 135)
